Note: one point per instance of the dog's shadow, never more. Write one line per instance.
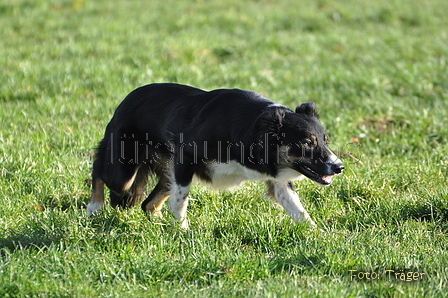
(25, 237)
(48, 223)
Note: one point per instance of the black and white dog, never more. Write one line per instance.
(223, 137)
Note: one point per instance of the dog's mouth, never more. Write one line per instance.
(318, 178)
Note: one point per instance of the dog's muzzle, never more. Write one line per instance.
(337, 167)
(323, 175)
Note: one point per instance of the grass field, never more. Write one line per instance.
(378, 73)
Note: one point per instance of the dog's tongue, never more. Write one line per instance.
(327, 179)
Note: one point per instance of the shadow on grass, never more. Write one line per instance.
(368, 208)
(24, 96)
(30, 237)
(46, 225)
(9, 290)
(297, 264)
(62, 202)
(435, 210)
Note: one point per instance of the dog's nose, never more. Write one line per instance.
(338, 167)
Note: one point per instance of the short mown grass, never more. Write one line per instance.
(378, 73)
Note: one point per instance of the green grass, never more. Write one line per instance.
(377, 71)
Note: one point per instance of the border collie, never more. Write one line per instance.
(223, 137)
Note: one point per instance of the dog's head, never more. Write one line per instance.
(302, 144)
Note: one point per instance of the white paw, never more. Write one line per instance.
(183, 223)
(157, 213)
(93, 208)
(311, 223)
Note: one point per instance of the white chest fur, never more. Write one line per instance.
(232, 174)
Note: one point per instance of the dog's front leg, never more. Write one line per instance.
(284, 194)
(178, 203)
(97, 199)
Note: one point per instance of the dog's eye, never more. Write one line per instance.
(307, 143)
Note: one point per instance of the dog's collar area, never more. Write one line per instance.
(277, 105)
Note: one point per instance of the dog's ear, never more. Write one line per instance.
(308, 108)
(271, 121)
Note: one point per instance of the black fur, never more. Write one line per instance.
(175, 132)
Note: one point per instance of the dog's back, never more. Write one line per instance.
(149, 106)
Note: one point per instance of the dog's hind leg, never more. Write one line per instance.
(138, 187)
(284, 194)
(154, 202)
